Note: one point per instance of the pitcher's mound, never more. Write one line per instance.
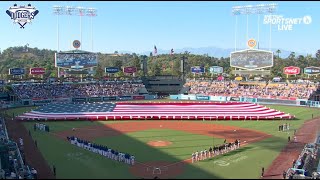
(159, 143)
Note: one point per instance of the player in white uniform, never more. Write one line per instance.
(132, 160)
(197, 156)
(193, 156)
(201, 155)
(205, 153)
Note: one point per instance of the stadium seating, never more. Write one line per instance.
(253, 89)
(45, 91)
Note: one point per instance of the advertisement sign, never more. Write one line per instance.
(77, 72)
(251, 59)
(216, 69)
(76, 44)
(312, 70)
(233, 99)
(291, 70)
(16, 71)
(138, 97)
(79, 99)
(220, 78)
(203, 97)
(95, 99)
(252, 100)
(197, 69)
(41, 102)
(286, 23)
(37, 71)
(111, 70)
(76, 60)
(129, 69)
(251, 43)
(123, 98)
(110, 98)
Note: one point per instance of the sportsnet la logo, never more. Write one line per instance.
(22, 15)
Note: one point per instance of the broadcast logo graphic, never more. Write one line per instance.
(22, 14)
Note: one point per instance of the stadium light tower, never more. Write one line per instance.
(58, 10)
(69, 11)
(81, 12)
(250, 9)
(92, 12)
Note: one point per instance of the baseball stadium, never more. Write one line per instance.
(71, 113)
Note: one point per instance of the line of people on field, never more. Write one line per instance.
(103, 150)
(284, 127)
(215, 150)
(41, 127)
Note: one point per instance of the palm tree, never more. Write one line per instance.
(292, 55)
(278, 52)
(318, 54)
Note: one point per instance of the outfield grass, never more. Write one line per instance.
(243, 163)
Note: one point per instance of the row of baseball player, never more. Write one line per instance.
(102, 150)
(215, 150)
(41, 127)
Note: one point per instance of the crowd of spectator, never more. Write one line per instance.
(44, 90)
(258, 89)
(12, 165)
(305, 164)
(102, 150)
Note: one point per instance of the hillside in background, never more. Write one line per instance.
(162, 64)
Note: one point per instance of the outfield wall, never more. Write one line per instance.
(297, 102)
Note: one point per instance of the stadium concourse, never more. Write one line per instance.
(154, 111)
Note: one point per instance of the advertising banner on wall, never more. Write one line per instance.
(79, 99)
(233, 99)
(37, 71)
(197, 69)
(291, 70)
(129, 69)
(95, 99)
(216, 69)
(202, 97)
(16, 71)
(123, 98)
(138, 97)
(110, 98)
(111, 70)
(312, 70)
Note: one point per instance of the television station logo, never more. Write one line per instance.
(22, 14)
(286, 24)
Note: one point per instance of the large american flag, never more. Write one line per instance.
(165, 111)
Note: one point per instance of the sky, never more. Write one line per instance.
(138, 26)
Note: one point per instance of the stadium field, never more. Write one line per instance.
(245, 162)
